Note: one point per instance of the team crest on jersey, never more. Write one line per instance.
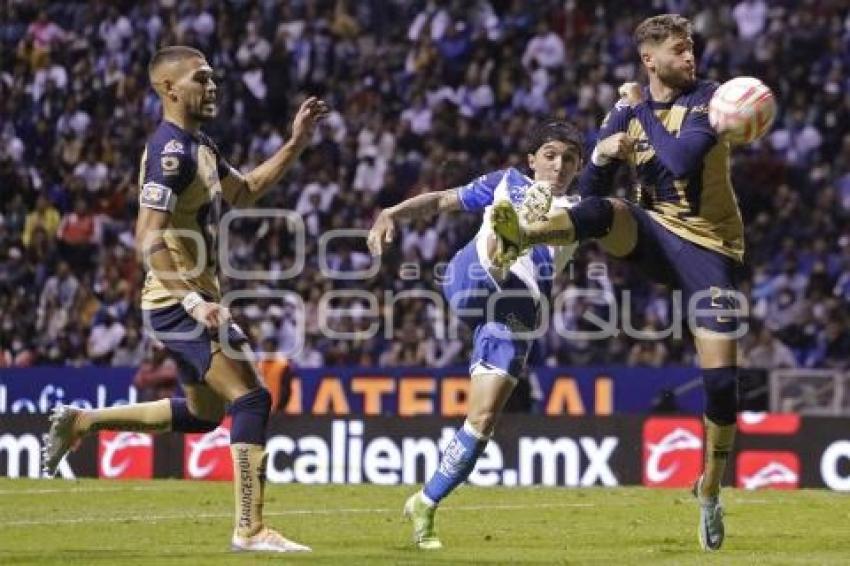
(170, 165)
(173, 146)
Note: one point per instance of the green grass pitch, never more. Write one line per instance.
(177, 522)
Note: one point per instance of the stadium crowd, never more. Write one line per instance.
(425, 95)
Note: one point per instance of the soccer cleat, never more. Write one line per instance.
(266, 540)
(422, 516)
(711, 530)
(60, 439)
(506, 223)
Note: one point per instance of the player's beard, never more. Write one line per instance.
(675, 78)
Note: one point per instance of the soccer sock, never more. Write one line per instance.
(721, 406)
(592, 218)
(718, 444)
(457, 463)
(556, 230)
(247, 447)
(249, 482)
(154, 416)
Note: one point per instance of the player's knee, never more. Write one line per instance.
(721, 394)
(592, 217)
(185, 420)
(250, 414)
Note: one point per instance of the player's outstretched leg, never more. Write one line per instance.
(68, 425)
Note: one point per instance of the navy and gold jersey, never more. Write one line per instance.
(682, 169)
(180, 173)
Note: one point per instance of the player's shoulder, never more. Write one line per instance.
(702, 92)
(170, 139)
(514, 176)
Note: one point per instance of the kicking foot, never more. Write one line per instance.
(711, 530)
(422, 516)
(60, 439)
(506, 223)
(267, 540)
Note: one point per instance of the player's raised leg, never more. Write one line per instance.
(250, 405)
(489, 391)
(68, 425)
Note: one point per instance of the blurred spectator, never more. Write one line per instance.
(156, 377)
(769, 353)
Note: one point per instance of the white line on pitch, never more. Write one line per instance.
(350, 511)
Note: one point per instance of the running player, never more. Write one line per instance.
(685, 229)
(183, 180)
(501, 306)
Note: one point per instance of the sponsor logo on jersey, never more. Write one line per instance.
(759, 469)
(125, 455)
(672, 451)
(170, 165)
(155, 195)
(173, 146)
(207, 456)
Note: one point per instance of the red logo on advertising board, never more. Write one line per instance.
(768, 423)
(672, 451)
(125, 455)
(759, 469)
(206, 456)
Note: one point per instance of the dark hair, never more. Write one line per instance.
(658, 28)
(557, 130)
(172, 54)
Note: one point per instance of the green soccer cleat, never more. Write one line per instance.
(506, 223)
(711, 530)
(422, 516)
(60, 439)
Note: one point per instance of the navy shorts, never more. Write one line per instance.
(707, 279)
(194, 349)
(501, 315)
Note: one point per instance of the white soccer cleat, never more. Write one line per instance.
(711, 530)
(418, 512)
(267, 540)
(60, 439)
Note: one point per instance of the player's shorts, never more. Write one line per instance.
(189, 343)
(501, 315)
(708, 279)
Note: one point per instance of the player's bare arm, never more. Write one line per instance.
(245, 190)
(154, 255)
(421, 206)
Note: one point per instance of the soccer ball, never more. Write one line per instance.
(536, 202)
(742, 110)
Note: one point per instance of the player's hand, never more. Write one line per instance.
(211, 315)
(309, 114)
(616, 146)
(631, 93)
(382, 234)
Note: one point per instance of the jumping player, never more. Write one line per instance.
(183, 180)
(501, 306)
(685, 229)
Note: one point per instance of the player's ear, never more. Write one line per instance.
(646, 57)
(531, 161)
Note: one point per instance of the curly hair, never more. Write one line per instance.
(658, 28)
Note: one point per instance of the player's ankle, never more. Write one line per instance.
(248, 532)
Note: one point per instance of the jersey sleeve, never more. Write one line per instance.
(596, 178)
(682, 155)
(478, 194)
(168, 169)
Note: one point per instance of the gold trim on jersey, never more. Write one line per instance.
(192, 246)
(716, 224)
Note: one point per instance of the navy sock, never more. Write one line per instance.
(182, 420)
(456, 464)
(250, 417)
(592, 217)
